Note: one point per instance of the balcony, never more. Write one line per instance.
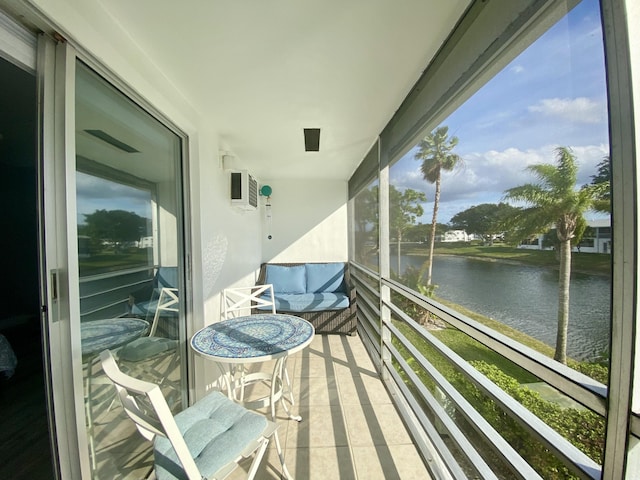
(374, 406)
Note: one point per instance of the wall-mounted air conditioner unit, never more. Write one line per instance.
(244, 190)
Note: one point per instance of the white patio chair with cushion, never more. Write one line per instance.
(238, 301)
(204, 441)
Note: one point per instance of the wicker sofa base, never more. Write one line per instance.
(331, 321)
(328, 321)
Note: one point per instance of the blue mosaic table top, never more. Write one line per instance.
(253, 337)
(98, 335)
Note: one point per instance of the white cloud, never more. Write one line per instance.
(579, 110)
(517, 69)
(485, 176)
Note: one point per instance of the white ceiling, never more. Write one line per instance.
(259, 71)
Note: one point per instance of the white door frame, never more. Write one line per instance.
(53, 65)
(59, 256)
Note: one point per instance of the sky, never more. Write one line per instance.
(94, 193)
(553, 94)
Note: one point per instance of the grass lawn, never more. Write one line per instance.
(595, 263)
(110, 261)
(471, 350)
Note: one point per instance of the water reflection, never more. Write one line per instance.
(526, 298)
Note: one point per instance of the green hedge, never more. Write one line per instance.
(582, 428)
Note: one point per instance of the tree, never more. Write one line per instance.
(602, 180)
(404, 210)
(115, 226)
(555, 201)
(435, 152)
(417, 233)
(486, 219)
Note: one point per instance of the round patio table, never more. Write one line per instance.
(99, 335)
(234, 343)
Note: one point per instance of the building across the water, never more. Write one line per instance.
(596, 239)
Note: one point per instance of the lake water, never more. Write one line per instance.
(526, 298)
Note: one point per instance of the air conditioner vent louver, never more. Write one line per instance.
(244, 190)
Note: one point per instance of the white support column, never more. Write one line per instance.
(622, 49)
(633, 19)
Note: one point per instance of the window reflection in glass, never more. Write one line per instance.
(366, 226)
(115, 226)
(128, 190)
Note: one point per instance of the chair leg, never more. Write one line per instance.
(88, 399)
(285, 470)
(257, 459)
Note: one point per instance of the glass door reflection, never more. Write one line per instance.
(129, 222)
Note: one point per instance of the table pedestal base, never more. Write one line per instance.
(237, 380)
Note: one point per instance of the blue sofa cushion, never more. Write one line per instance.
(146, 301)
(148, 308)
(166, 277)
(325, 277)
(309, 302)
(287, 279)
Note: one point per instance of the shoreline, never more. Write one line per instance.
(508, 261)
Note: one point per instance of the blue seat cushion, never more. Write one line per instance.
(148, 308)
(166, 277)
(309, 302)
(287, 279)
(145, 307)
(325, 277)
(215, 429)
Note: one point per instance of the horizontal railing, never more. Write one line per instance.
(106, 295)
(452, 428)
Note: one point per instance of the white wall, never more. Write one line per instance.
(228, 245)
(309, 221)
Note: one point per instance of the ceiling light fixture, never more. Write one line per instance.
(312, 139)
(114, 142)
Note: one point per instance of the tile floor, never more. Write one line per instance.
(350, 427)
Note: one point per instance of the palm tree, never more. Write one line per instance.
(435, 152)
(555, 200)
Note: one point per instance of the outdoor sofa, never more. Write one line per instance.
(318, 292)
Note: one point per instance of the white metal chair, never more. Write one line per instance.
(242, 300)
(204, 441)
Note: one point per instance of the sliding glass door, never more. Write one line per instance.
(129, 239)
